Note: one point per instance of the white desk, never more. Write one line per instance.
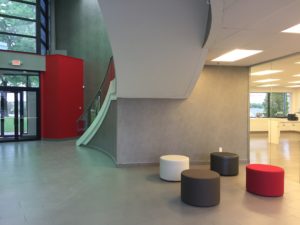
(275, 126)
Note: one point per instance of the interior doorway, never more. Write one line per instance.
(19, 106)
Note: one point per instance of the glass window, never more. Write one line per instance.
(43, 21)
(33, 81)
(17, 43)
(279, 104)
(258, 104)
(17, 26)
(18, 23)
(43, 49)
(43, 5)
(18, 9)
(269, 104)
(14, 80)
(43, 35)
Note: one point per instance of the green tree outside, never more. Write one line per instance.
(278, 105)
(17, 26)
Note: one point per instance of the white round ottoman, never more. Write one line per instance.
(171, 166)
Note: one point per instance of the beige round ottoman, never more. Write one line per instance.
(171, 166)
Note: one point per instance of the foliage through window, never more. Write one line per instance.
(266, 104)
(23, 25)
(29, 80)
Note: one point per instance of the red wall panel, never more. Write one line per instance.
(61, 96)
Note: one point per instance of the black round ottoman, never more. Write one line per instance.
(200, 187)
(225, 163)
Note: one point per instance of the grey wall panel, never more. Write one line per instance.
(80, 31)
(29, 61)
(215, 115)
(106, 137)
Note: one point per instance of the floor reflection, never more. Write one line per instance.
(285, 154)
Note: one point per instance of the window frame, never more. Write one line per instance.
(38, 26)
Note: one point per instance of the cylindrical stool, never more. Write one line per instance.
(200, 187)
(265, 180)
(171, 167)
(225, 163)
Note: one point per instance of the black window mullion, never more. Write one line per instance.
(19, 35)
(269, 105)
(17, 17)
(2, 113)
(25, 2)
(21, 110)
(38, 28)
(284, 103)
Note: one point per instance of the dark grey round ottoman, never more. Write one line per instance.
(200, 187)
(225, 163)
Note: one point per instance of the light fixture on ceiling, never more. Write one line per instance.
(293, 86)
(295, 82)
(294, 29)
(265, 72)
(268, 85)
(265, 80)
(235, 55)
(296, 75)
(297, 62)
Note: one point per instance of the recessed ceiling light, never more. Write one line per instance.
(296, 75)
(294, 29)
(266, 80)
(265, 72)
(268, 85)
(236, 55)
(293, 86)
(295, 82)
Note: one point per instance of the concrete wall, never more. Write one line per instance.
(216, 114)
(80, 30)
(157, 45)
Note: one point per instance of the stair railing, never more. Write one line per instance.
(90, 113)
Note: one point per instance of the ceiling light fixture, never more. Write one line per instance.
(295, 82)
(268, 85)
(297, 62)
(293, 86)
(266, 80)
(235, 55)
(294, 29)
(265, 72)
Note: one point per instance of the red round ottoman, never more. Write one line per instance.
(265, 180)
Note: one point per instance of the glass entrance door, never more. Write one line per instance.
(7, 114)
(19, 115)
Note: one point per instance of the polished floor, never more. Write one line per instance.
(54, 183)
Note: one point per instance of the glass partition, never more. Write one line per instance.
(274, 111)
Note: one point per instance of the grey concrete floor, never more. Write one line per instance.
(55, 183)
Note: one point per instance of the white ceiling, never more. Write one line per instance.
(286, 64)
(253, 24)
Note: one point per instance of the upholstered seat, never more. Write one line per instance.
(171, 166)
